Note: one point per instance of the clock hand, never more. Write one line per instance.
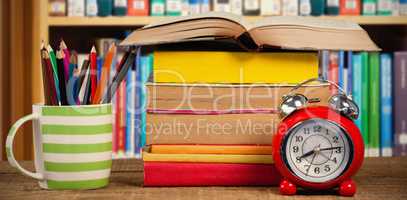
(330, 148)
(312, 160)
(310, 152)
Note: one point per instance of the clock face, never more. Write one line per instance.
(317, 150)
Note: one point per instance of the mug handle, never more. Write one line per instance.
(9, 147)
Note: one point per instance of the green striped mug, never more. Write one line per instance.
(73, 146)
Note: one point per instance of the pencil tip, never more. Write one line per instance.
(49, 48)
(62, 44)
(42, 44)
(93, 49)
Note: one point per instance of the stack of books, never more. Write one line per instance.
(212, 112)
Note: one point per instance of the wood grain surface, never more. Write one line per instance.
(379, 178)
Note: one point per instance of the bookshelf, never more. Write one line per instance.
(141, 21)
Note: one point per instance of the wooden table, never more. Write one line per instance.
(379, 178)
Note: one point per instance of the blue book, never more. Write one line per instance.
(146, 70)
(341, 67)
(386, 107)
(130, 109)
(357, 85)
(349, 64)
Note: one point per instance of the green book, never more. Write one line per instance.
(385, 7)
(365, 100)
(173, 7)
(374, 106)
(369, 7)
(157, 7)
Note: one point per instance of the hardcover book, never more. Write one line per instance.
(251, 7)
(236, 6)
(369, 7)
(211, 149)
(173, 7)
(233, 67)
(290, 8)
(270, 7)
(386, 104)
(374, 104)
(276, 31)
(332, 7)
(384, 7)
(138, 7)
(157, 7)
(400, 110)
(317, 7)
(364, 107)
(76, 8)
(209, 174)
(305, 7)
(349, 7)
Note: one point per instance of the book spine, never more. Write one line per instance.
(251, 7)
(91, 8)
(57, 8)
(184, 7)
(173, 7)
(129, 109)
(317, 7)
(236, 7)
(146, 62)
(105, 7)
(157, 7)
(403, 7)
(221, 6)
(325, 64)
(76, 8)
(270, 7)
(202, 174)
(384, 7)
(138, 7)
(400, 109)
(138, 103)
(350, 75)
(369, 7)
(395, 9)
(365, 100)
(305, 7)
(341, 67)
(332, 7)
(114, 111)
(290, 8)
(194, 7)
(333, 70)
(349, 7)
(386, 101)
(374, 104)
(120, 7)
(357, 91)
(205, 6)
(119, 133)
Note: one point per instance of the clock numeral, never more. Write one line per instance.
(327, 168)
(316, 170)
(327, 131)
(298, 138)
(338, 150)
(295, 149)
(317, 129)
(298, 159)
(335, 139)
(306, 131)
(334, 160)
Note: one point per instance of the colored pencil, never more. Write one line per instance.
(93, 72)
(84, 88)
(66, 58)
(61, 76)
(118, 78)
(45, 78)
(105, 74)
(54, 69)
(71, 89)
(51, 82)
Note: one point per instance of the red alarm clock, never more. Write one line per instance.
(318, 147)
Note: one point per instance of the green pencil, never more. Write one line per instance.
(53, 60)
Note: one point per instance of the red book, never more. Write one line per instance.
(209, 174)
(138, 7)
(333, 69)
(120, 120)
(349, 7)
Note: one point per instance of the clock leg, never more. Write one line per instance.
(287, 188)
(347, 188)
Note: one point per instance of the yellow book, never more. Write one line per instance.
(208, 158)
(234, 67)
(212, 149)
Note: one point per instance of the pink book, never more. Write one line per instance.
(209, 174)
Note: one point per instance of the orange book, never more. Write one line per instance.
(212, 149)
(138, 7)
(349, 7)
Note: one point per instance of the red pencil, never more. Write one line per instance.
(93, 72)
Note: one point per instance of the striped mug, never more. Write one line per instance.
(72, 146)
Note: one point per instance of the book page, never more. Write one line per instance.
(312, 22)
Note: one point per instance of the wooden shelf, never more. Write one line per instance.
(141, 21)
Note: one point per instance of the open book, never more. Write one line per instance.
(288, 32)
